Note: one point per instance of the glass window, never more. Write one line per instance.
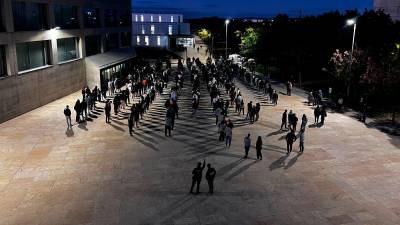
(158, 40)
(111, 41)
(93, 45)
(1, 22)
(170, 29)
(143, 30)
(29, 16)
(151, 18)
(3, 63)
(32, 55)
(138, 40)
(152, 29)
(67, 49)
(136, 17)
(146, 40)
(110, 18)
(125, 18)
(159, 18)
(141, 18)
(172, 19)
(66, 16)
(125, 39)
(91, 17)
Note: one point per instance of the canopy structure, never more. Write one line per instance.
(113, 58)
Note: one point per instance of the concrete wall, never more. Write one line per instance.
(22, 93)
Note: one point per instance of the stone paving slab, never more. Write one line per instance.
(98, 174)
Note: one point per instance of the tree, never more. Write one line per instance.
(249, 41)
(204, 34)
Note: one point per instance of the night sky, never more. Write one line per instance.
(247, 8)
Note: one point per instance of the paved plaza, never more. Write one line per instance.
(97, 174)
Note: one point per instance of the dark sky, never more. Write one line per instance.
(247, 8)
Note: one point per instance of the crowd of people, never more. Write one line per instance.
(145, 82)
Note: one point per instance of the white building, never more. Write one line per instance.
(391, 7)
(160, 30)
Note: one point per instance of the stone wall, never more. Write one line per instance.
(22, 93)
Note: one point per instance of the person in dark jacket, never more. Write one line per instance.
(290, 138)
(210, 175)
(67, 113)
(317, 113)
(130, 123)
(259, 147)
(284, 120)
(77, 109)
(197, 175)
(107, 110)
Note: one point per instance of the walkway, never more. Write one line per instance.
(98, 174)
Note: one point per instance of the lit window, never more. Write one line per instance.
(170, 29)
(146, 40)
(172, 19)
(158, 40)
(152, 29)
(136, 18)
(141, 18)
(138, 40)
(143, 31)
(151, 18)
(159, 18)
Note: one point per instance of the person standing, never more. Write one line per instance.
(210, 175)
(294, 122)
(323, 115)
(257, 109)
(84, 108)
(301, 137)
(289, 87)
(228, 136)
(107, 110)
(275, 98)
(317, 113)
(304, 121)
(247, 144)
(67, 113)
(284, 120)
(290, 138)
(249, 109)
(169, 117)
(259, 147)
(130, 123)
(197, 175)
(77, 109)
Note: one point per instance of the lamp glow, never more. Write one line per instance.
(350, 22)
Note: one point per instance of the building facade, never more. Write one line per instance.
(391, 7)
(158, 30)
(44, 45)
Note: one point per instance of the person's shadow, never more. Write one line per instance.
(279, 163)
(293, 161)
(82, 125)
(69, 132)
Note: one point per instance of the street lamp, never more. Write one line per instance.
(352, 22)
(226, 38)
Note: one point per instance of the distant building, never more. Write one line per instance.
(160, 30)
(52, 48)
(391, 7)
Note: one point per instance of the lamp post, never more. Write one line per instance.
(226, 38)
(352, 22)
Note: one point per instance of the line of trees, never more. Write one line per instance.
(318, 47)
